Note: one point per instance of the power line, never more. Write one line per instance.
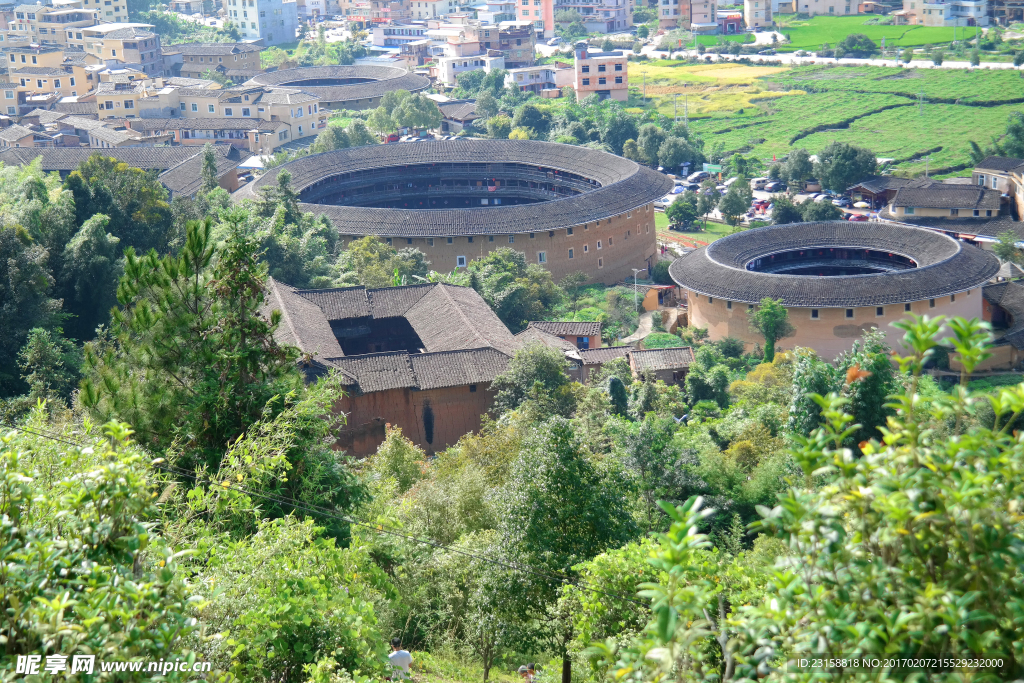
(325, 512)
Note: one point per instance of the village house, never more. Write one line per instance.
(601, 73)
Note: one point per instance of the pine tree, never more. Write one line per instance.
(210, 182)
(191, 358)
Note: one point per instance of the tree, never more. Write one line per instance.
(376, 263)
(556, 511)
(733, 205)
(191, 356)
(88, 279)
(937, 57)
(859, 45)
(209, 174)
(418, 112)
(538, 373)
(607, 45)
(618, 127)
(330, 139)
(649, 142)
(683, 211)
(572, 285)
(841, 165)
(133, 199)
(735, 48)
(642, 32)
(707, 199)
(521, 134)
(1006, 248)
(486, 105)
(824, 210)
(785, 211)
(975, 57)
(675, 151)
(499, 127)
(631, 151)
(282, 197)
(908, 55)
(517, 292)
(380, 120)
(530, 116)
(50, 365)
(798, 167)
(25, 301)
(1018, 58)
(770, 320)
(708, 377)
(359, 135)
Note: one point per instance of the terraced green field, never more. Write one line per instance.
(975, 86)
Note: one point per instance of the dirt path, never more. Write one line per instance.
(646, 325)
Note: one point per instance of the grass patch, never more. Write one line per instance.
(662, 340)
(810, 34)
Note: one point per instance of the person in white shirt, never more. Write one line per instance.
(400, 660)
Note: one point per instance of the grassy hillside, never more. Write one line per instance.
(809, 34)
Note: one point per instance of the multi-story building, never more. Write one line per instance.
(674, 14)
(828, 7)
(952, 13)
(272, 21)
(517, 43)
(384, 11)
(704, 16)
(1006, 12)
(497, 11)
(192, 60)
(447, 67)
(601, 16)
(602, 73)
(42, 71)
(757, 13)
(128, 43)
(53, 24)
(540, 78)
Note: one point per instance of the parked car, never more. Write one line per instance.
(664, 202)
(678, 189)
(823, 198)
(857, 217)
(698, 176)
(758, 183)
(691, 187)
(730, 181)
(842, 202)
(761, 204)
(555, 41)
(722, 188)
(800, 53)
(775, 186)
(769, 51)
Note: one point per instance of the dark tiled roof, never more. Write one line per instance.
(662, 359)
(384, 79)
(1009, 296)
(44, 115)
(76, 108)
(568, 327)
(1002, 164)
(989, 227)
(620, 186)
(534, 335)
(187, 177)
(459, 110)
(943, 196)
(209, 48)
(465, 342)
(68, 159)
(130, 32)
(182, 123)
(945, 266)
(15, 133)
(604, 354)
(881, 183)
(42, 70)
(421, 371)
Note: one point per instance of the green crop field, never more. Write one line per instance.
(966, 85)
(810, 34)
(767, 111)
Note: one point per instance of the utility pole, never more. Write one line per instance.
(920, 103)
(675, 108)
(645, 88)
(926, 160)
(686, 111)
(636, 304)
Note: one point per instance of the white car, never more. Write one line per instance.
(665, 201)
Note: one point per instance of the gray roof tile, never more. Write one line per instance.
(568, 327)
(1002, 164)
(946, 196)
(384, 79)
(662, 359)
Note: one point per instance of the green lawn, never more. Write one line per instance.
(810, 34)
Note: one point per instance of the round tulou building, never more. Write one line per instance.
(566, 208)
(836, 279)
(344, 87)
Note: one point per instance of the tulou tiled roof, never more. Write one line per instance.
(945, 266)
(620, 186)
(196, 49)
(187, 177)
(464, 342)
(1001, 164)
(14, 133)
(68, 159)
(535, 335)
(605, 354)
(1009, 296)
(568, 327)
(379, 80)
(661, 359)
(946, 196)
